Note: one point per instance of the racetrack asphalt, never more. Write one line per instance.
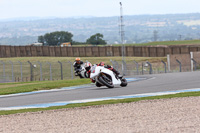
(153, 83)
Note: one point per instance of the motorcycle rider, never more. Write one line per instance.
(77, 65)
(109, 67)
(88, 66)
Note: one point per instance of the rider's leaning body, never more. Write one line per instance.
(77, 64)
(106, 66)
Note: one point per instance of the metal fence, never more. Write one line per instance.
(140, 68)
(35, 71)
(41, 71)
(146, 67)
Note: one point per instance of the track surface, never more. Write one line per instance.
(154, 83)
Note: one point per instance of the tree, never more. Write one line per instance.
(55, 38)
(96, 39)
(41, 39)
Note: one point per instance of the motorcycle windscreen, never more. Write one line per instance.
(94, 71)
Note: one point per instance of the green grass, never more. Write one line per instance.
(56, 74)
(12, 88)
(183, 42)
(55, 66)
(93, 60)
(167, 43)
(187, 94)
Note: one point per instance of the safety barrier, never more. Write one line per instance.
(94, 51)
(39, 71)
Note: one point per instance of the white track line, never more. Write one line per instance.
(61, 103)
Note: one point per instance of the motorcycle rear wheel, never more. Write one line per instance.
(80, 76)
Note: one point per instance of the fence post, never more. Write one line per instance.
(50, 70)
(72, 74)
(61, 69)
(168, 62)
(192, 63)
(150, 69)
(4, 72)
(142, 68)
(179, 64)
(21, 70)
(195, 64)
(41, 78)
(137, 67)
(165, 65)
(117, 65)
(31, 69)
(113, 64)
(12, 70)
(124, 70)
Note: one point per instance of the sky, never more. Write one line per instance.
(96, 8)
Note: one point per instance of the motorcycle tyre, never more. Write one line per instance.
(98, 84)
(124, 83)
(86, 75)
(80, 76)
(105, 83)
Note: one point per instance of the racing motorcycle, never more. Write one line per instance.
(82, 72)
(106, 77)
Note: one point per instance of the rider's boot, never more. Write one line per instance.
(120, 76)
(115, 71)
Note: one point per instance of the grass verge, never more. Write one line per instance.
(12, 88)
(187, 94)
(167, 43)
(93, 60)
(177, 42)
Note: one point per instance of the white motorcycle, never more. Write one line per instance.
(106, 77)
(82, 72)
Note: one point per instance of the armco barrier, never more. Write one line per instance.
(94, 51)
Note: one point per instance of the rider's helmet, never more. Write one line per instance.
(78, 60)
(101, 64)
(88, 66)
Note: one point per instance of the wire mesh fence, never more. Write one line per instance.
(140, 68)
(146, 67)
(35, 71)
(41, 71)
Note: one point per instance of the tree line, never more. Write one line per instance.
(58, 37)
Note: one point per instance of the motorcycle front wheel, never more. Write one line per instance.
(124, 83)
(102, 80)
